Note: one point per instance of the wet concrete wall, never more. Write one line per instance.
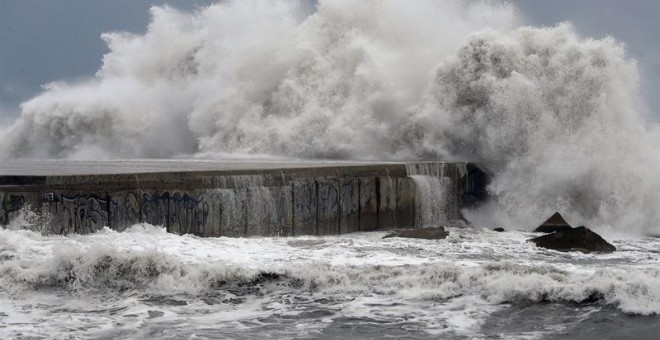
(274, 202)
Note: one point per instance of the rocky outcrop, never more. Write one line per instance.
(437, 233)
(574, 239)
(554, 224)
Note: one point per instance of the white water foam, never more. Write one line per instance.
(448, 287)
(554, 118)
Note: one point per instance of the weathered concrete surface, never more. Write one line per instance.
(387, 194)
(304, 207)
(328, 213)
(405, 202)
(368, 203)
(349, 216)
(234, 200)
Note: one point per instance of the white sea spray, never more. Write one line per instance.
(554, 118)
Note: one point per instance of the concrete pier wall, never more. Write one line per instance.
(324, 200)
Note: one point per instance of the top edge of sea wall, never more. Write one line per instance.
(183, 174)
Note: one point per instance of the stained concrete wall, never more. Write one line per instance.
(287, 202)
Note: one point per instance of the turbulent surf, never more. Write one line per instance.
(145, 282)
(555, 119)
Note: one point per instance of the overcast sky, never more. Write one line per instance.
(42, 41)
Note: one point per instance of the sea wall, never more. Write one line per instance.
(323, 200)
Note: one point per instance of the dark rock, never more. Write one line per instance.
(554, 224)
(437, 233)
(552, 229)
(499, 230)
(576, 239)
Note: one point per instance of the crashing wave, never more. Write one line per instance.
(92, 268)
(555, 118)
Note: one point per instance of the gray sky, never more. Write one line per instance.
(42, 41)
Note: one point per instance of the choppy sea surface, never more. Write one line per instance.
(476, 284)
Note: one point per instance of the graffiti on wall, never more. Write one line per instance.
(84, 215)
(125, 210)
(189, 214)
(179, 212)
(328, 207)
(155, 208)
(304, 207)
(349, 220)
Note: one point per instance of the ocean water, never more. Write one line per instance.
(555, 118)
(476, 284)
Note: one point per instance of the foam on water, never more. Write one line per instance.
(145, 276)
(556, 119)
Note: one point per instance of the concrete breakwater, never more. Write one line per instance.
(249, 200)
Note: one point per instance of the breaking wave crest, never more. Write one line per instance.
(556, 119)
(91, 268)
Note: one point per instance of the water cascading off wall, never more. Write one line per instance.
(436, 200)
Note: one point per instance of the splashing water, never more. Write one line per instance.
(145, 281)
(556, 119)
